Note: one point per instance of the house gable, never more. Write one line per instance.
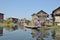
(56, 12)
(42, 13)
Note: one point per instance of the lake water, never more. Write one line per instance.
(28, 34)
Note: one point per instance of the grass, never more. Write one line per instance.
(54, 27)
(1, 24)
(7, 25)
(50, 27)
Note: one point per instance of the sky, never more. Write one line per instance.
(25, 8)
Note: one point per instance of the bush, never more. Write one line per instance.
(1, 24)
(11, 24)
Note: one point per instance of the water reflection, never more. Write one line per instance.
(53, 34)
(42, 34)
(1, 31)
(12, 28)
(35, 34)
(57, 34)
(39, 34)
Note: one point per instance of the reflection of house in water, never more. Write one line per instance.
(1, 17)
(1, 20)
(56, 16)
(1, 31)
(39, 34)
(34, 33)
(41, 15)
(57, 35)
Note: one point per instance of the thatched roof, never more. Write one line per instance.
(56, 9)
(33, 14)
(43, 13)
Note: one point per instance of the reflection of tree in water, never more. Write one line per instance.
(39, 34)
(57, 34)
(53, 34)
(12, 28)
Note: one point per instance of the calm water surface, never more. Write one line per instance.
(29, 34)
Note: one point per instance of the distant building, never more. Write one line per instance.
(49, 21)
(41, 15)
(34, 16)
(34, 19)
(1, 17)
(14, 20)
(24, 20)
(56, 16)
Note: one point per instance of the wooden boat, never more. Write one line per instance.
(32, 27)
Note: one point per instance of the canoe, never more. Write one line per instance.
(33, 27)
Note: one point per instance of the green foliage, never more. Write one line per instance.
(8, 20)
(49, 25)
(1, 24)
(54, 27)
(32, 23)
(9, 23)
